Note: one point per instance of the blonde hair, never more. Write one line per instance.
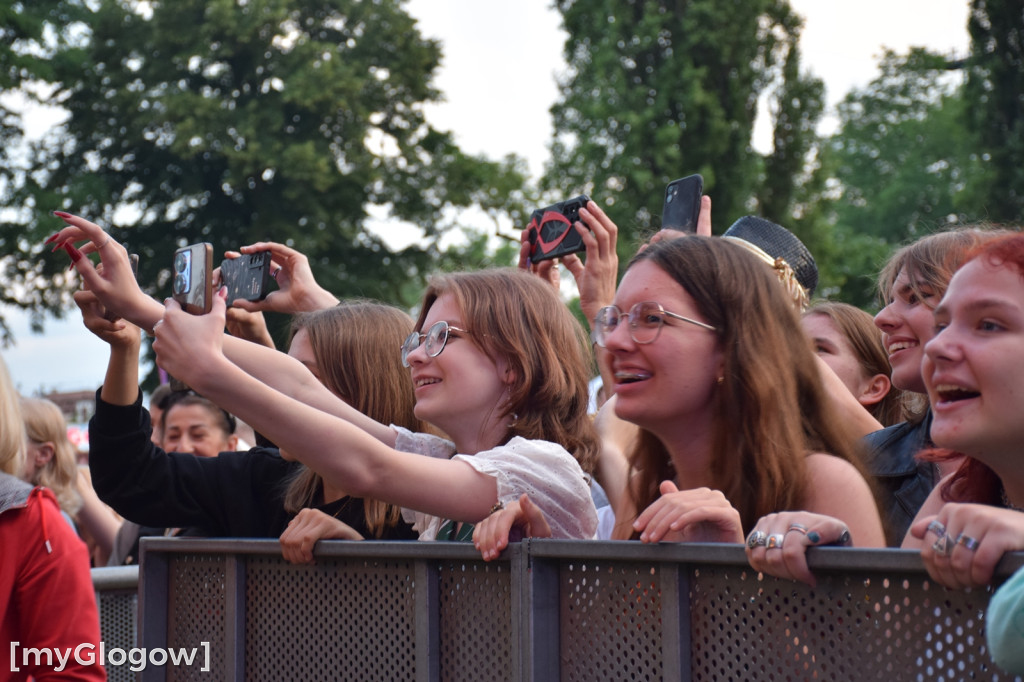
(44, 423)
(356, 345)
(12, 429)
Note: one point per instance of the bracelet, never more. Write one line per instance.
(497, 507)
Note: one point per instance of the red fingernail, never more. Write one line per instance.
(58, 245)
(62, 214)
(52, 237)
(75, 254)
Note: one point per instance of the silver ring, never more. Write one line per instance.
(943, 547)
(757, 538)
(274, 273)
(968, 542)
(105, 242)
(798, 527)
(936, 527)
(775, 541)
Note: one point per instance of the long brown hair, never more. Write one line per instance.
(518, 319)
(44, 423)
(770, 410)
(865, 339)
(356, 345)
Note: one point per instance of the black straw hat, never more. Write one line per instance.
(782, 247)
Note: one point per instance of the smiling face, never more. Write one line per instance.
(461, 390)
(664, 385)
(197, 430)
(974, 367)
(907, 324)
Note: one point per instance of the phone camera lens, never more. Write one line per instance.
(180, 262)
(181, 283)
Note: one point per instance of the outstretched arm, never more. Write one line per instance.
(113, 288)
(190, 347)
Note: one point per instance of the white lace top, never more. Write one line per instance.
(545, 471)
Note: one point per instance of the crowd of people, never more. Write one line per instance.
(738, 409)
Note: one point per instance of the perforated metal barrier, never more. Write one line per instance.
(553, 610)
(117, 599)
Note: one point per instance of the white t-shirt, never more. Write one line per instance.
(545, 471)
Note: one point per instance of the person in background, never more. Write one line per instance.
(848, 341)
(157, 404)
(52, 461)
(45, 585)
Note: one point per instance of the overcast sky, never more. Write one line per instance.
(498, 76)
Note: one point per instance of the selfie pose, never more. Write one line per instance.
(498, 364)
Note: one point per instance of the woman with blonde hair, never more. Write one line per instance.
(45, 585)
(51, 458)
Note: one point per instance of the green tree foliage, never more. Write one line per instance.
(899, 162)
(995, 89)
(233, 121)
(656, 90)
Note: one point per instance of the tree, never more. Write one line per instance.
(656, 90)
(234, 121)
(899, 164)
(995, 88)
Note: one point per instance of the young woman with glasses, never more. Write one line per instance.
(498, 364)
(710, 362)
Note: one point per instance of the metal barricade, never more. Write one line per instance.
(552, 610)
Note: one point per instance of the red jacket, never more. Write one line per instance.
(46, 595)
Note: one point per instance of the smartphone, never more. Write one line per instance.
(192, 285)
(682, 204)
(246, 277)
(551, 229)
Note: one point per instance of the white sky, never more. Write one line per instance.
(498, 76)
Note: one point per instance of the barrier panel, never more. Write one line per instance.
(117, 598)
(552, 610)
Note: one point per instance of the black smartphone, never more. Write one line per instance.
(682, 204)
(551, 229)
(246, 277)
(192, 285)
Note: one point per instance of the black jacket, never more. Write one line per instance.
(237, 494)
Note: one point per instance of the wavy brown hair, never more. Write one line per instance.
(516, 318)
(770, 410)
(865, 339)
(44, 423)
(356, 345)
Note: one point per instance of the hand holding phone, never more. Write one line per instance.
(682, 204)
(192, 286)
(551, 230)
(246, 277)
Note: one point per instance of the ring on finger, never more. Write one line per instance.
(274, 273)
(757, 538)
(943, 546)
(936, 527)
(967, 541)
(775, 541)
(798, 527)
(105, 242)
